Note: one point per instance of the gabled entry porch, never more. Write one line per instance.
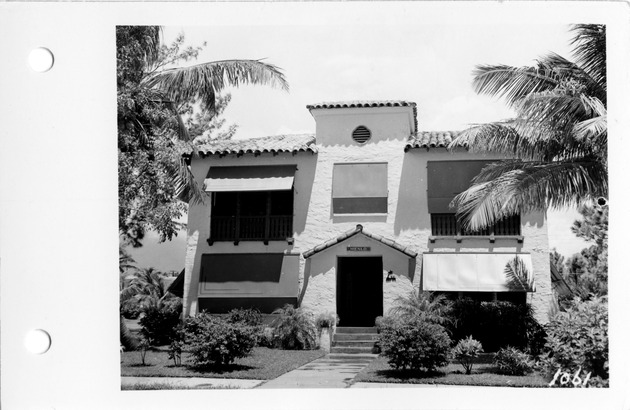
(347, 276)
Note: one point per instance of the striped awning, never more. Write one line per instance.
(477, 272)
(252, 178)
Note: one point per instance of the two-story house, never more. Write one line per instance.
(348, 219)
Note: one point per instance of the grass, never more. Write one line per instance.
(262, 364)
(483, 374)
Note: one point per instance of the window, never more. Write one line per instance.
(447, 225)
(360, 188)
(446, 179)
(361, 134)
(251, 216)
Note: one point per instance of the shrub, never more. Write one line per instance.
(268, 338)
(159, 322)
(295, 329)
(328, 319)
(213, 341)
(130, 309)
(177, 346)
(513, 362)
(579, 338)
(248, 317)
(466, 351)
(415, 345)
(496, 325)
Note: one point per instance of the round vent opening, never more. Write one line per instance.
(361, 134)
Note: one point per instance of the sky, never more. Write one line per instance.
(429, 64)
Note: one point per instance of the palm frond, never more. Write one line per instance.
(589, 49)
(513, 83)
(186, 187)
(594, 130)
(510, 187)
(518, 276)
(203, 81)
(515, 137)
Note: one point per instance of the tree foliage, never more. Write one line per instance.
(558, 138)
(154, 97)
(587, 271)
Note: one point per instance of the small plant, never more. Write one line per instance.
(513, 362)
(177, 345)
(295, 328)
(466, 351)
(214, 341)
(248, 317)
(328, 320)
(415, 344)
(144, 346)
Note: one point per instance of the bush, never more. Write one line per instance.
(130, 309)
(415, 345)
(248, 317)
(513, 362)
(295, 329)
(328, 319)
(159, 322)
(466, 351)
(496, 325)
(268, 338)
(213, 341)
(579, 338)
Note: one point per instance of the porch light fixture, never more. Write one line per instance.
(390, 277)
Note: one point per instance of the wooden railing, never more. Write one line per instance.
(251, 228)
(447, 225)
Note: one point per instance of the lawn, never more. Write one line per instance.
(169, 386)
(262, 364)
(484, 374)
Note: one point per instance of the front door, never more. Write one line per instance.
(359, 290)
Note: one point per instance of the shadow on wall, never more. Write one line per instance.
(303, 191)
(307, 275)
(469, 245)
(411, 208)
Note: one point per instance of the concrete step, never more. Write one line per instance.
(356, 336)
(347, 350)
(354, 343)
(355, 330)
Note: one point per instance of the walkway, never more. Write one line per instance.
(331, 371)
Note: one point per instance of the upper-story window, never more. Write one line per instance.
(361, 134)
(446, 179)
(360, 188)
(251, 203)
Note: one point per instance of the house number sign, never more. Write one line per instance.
(358, 248)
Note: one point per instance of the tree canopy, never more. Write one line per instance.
(155, 95)
(558, 139)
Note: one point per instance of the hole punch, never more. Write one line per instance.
(37, 341)
(41, 59)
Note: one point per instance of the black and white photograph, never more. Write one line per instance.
(321, 204)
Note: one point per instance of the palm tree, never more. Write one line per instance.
(425, 306)
(147, 287)
(558, 137)
(150, 98)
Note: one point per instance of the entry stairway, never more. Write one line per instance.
(354, 340)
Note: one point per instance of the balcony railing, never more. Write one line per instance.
(251, 228)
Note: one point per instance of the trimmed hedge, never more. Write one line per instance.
(215, 342)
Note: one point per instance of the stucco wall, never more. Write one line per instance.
(407, 221)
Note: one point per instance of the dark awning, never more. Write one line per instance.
(252, 178)
(177, 286)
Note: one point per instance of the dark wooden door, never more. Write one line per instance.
(359, 290)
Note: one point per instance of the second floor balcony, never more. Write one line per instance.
(251, 228)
